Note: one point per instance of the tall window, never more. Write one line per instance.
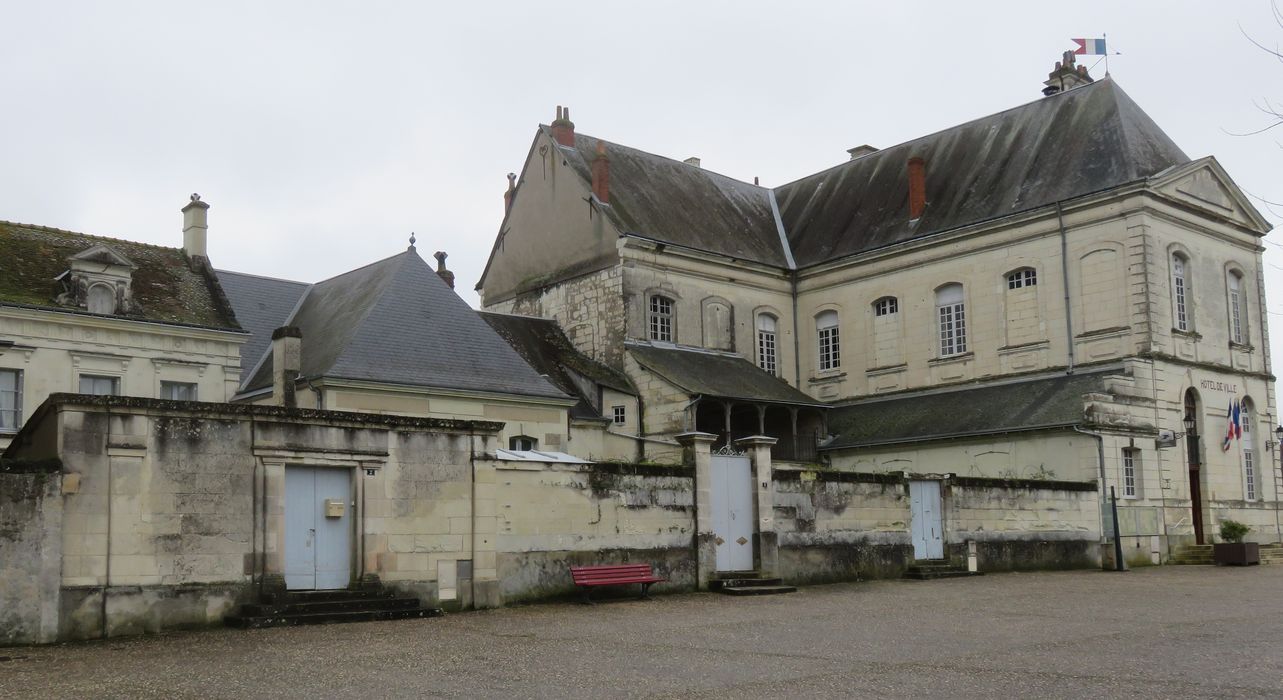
(1130, 458)
(661, 318)
(99, 386)
(1236, 308)
(1180, 292)
(885, 306)
(178, 391)
(1249, 454)
(766, 342)
(1019, 279)
(951, 311)
(826, 331)
(10, 400)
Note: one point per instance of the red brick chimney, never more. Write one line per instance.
(507, 196)
(562, 128)
(445, 274)
(917, 187)
(601, 174)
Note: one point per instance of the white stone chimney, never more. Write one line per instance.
(195, 228)
(287, 361)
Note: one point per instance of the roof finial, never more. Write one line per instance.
(412, 240)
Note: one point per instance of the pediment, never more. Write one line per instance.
(1204, 184)
(103, 254)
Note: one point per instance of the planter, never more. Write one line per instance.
(1236, 553)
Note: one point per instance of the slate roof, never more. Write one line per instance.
(543, 345)
(1080, 141)
(668, 200)
(396, 321)
(166, 287)
(262, 304)
(1038, 403)
(717, 374)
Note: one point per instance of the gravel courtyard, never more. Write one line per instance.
(1194, 631)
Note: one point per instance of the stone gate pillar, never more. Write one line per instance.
(758, 448)
(697, 452)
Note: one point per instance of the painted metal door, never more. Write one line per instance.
(318, 528)
(731, 500)
(926, 524)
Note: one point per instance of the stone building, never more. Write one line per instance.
(94, 315)
(1048, 293)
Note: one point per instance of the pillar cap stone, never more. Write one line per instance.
(695, 437)
(756, 440)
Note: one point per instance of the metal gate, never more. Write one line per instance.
(731, 500)
(318, 527)
(926, 525)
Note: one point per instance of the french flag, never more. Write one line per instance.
(1090, 47)
(1234, 431)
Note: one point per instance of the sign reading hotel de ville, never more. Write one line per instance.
(1230, 388)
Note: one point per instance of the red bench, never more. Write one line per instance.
(589, 577)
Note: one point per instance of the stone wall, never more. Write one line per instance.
(589, 308)
(30, 551)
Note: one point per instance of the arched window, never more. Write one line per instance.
(101, 300)
(766, 342)
(661, 318)
(886, 306)
(1024, 277)
(1246, 441)
(523, 443)
(952, 313)
(826, 333)
(1238, 331)
(1181, 292)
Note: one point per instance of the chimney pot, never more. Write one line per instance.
(861, 151)
(693, 160)
(445, 274)
(195, 227)
(601, 174)
(563, 130)
(287, 361)
(507, 196)
(917, 187)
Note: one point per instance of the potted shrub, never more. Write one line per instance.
(1234, 550)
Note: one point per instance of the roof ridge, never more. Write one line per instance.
(358, 269)
(54, 229)
(261, 277)
(960, 125)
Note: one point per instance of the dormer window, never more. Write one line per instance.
(98, 280)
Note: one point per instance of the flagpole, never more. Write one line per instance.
(1106, 38)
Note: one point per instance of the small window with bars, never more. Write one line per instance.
(885, 306)
(620, 414)
(1026, 277)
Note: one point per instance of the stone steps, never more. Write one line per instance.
(748, 583)
(326, 607)
(933, 570)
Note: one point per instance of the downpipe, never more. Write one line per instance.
(1100, 463)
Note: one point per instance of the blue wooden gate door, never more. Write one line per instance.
(926, 523)
(318, 528)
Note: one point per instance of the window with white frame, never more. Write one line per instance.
(523, 443)
(1026, 277)
(1180, 292)
(886, 306)
(766, 343)
(826, 332)
(1237, 316)
(619, 414)
(1131, 460)
(99, 386)
(178, 391)
(952, 314)
(10, 400)
(1249, 454)
(661, 318)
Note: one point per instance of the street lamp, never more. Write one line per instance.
(1191, 423)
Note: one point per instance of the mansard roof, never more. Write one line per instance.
(541, 343)
(717, 374)
(667, 200)
(166, 286)
(1029, 404)
(1077, 142)
(396, 321)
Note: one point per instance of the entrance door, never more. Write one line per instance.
(318, 528)
(926, 526)
(731, 500)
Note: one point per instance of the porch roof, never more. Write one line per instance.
(718, 374)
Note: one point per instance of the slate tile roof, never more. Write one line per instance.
(541, 343)
(395, 321)
(1008, 407)
(166, 286)
(262, 304)
(717, 374)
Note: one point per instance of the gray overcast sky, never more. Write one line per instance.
(323, 133)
